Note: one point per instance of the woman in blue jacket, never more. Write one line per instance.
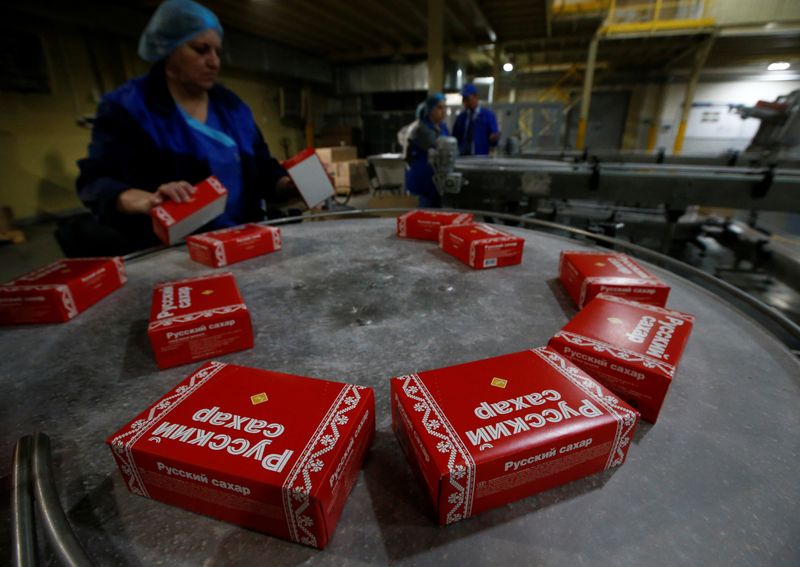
(158, 135)
(419, 176)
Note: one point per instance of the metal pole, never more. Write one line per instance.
(24, 552)
(586, 98)
(67, 547)
(435, 45)
(699, 61)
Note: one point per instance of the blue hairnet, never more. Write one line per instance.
(175, 22)
(469, 89)
(420, 112)
(430, 103)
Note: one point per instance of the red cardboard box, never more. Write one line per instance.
(481, 246)
(486, 433)
(587, 273)
(59, 291)
(229, 245)
(231, 442)
(172, 221)
(198, 318)
(426, 224)
(631, 348)
(310, 177)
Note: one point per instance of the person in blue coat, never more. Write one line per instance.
(419, 175)
(476, 127)
(158, 135)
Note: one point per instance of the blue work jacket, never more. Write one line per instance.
(484, 123)
(141, 139)
(419, 176)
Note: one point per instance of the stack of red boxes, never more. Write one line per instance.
(198, 318)
(486, 433)
(585, 274)
(631, 348)
(59, 291)
(230, 245)
(230, 442)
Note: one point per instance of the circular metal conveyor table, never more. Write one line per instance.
(715, 482)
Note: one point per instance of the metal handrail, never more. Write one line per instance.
(33, 480)
(24, 552)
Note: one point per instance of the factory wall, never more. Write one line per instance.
(711, 127)
(40, 139)
(739, 12)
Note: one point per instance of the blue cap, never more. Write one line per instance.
(469, 89)
(174, 23)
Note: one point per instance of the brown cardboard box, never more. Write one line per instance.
(336, 154)
(350, 176)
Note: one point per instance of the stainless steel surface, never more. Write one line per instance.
(713, 483)
(499, 180)
(59, 533)
(23, 551)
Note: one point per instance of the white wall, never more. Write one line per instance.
(711, 128)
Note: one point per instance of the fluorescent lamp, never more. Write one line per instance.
(778, 66)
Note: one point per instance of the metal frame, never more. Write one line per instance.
(33, 480)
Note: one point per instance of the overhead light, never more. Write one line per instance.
(510, 67)
(778, 66)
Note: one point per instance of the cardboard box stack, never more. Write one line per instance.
(349, 173)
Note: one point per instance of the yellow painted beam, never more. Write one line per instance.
(580, 141)
(580, 7)
(676, 149)
(657, 25)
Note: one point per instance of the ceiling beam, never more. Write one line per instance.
(479, 20)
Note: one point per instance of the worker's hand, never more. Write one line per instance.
(285, 185)
(137, 201)
(178, 191)
(494, 136)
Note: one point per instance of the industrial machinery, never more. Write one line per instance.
(779, 134)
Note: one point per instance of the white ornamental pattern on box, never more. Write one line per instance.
(461, 219)
(276, 237)
(401, 224)
(122, 444)
(216, 185)
(640, 360)
(164, 216)
(647, 307)
(120, 265)
(309, 466)
(65, 295)
(216, 245)
(189, 317)
(625, 417)
(460, 486)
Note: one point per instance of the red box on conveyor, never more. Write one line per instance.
(230, 245)
(425, 225)
(198, 318)
(172, 221)
(59, 291)
(269, 451)
(631, 348)
(587, 273)
(481, 246)
(486, 433)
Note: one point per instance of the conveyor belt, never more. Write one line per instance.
(714, 482)
(498, 180)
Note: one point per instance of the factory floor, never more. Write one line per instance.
(778, 287)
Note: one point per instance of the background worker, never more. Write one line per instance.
(475, 127)
(419, 176)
